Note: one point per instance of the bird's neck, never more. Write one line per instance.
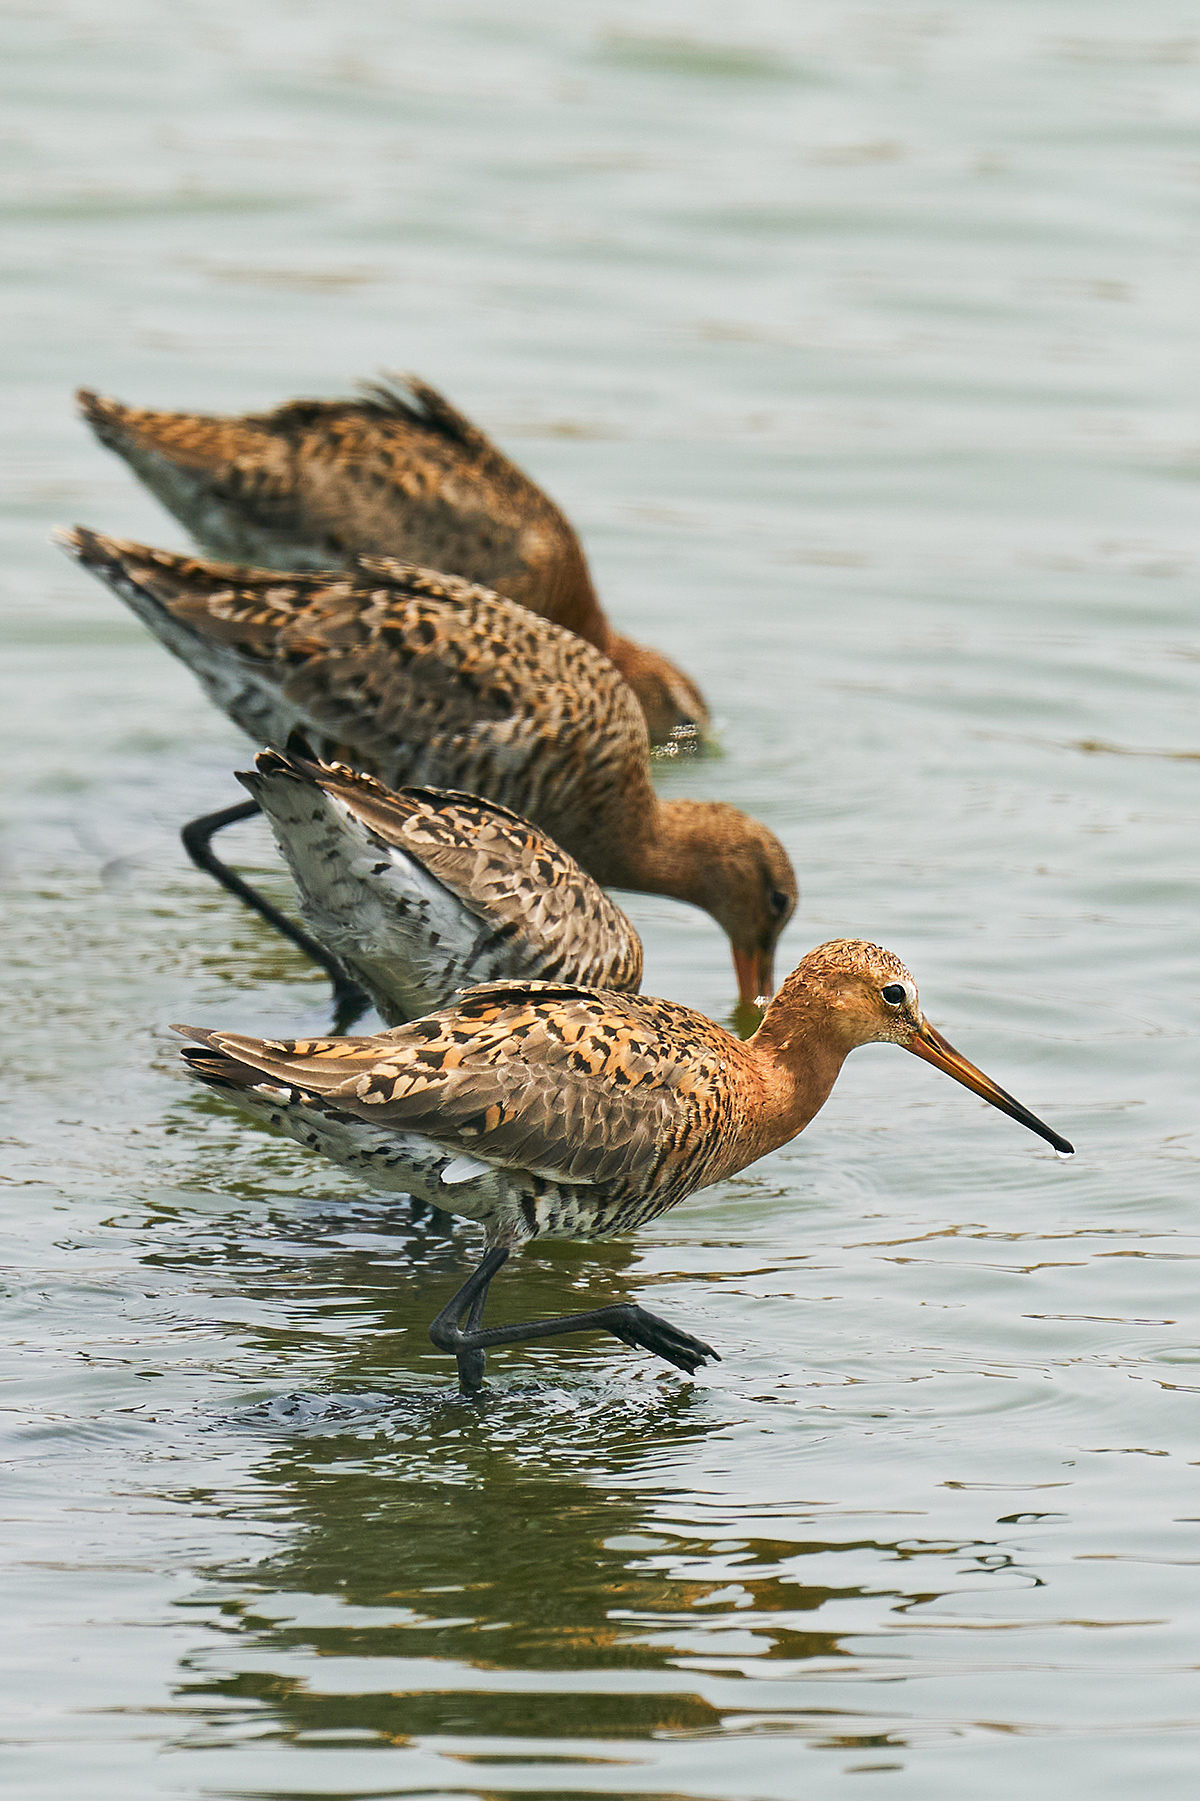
(666, 849)
(774, 1098)
(573, 600)
(800, 1052)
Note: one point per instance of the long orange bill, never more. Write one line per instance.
(755, 975)
(930, 1045)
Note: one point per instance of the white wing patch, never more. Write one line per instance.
(464, 1169)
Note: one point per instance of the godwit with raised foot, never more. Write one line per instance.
(420, 892)
(422, 679)
(542, 1109)
(396, 472)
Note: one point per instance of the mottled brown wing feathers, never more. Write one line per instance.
(508, 874)
(399, 472)
(406, 397)
(505, 871)
(405, 614)
(565, 1082)
(412, 675)
(387, 808)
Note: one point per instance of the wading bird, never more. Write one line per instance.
(539, 1109)
(423, 680)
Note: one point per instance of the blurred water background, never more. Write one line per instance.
(860, 342)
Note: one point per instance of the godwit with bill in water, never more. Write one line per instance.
(423, 680)
(538, 1109)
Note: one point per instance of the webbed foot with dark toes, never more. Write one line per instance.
(635, 1325)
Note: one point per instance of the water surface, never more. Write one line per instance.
(860, 343)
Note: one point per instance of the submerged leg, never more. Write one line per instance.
(349, 1001)
(448, 1330)
(458, 1328)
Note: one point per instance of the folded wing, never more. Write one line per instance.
(570, 1083)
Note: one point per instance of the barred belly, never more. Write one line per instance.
(589, 1212)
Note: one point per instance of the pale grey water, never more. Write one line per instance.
(861, 344)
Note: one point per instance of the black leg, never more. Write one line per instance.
(458, 1328)
(349, 1001)
(447, 1331)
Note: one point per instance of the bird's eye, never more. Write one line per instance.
(893, 994)
(779, 902)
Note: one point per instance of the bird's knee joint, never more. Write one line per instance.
(627, 1313)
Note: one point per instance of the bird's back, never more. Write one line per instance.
(629, 1102)
(422, 892)
(414, 677)
(398, 472)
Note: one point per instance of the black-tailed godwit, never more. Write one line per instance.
(424, 680)
(541, 1109)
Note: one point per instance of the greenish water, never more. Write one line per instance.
(860, 342)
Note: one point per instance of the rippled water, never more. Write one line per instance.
(861, 344)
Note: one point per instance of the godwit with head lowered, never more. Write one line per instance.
(540, 1109)
(397, 472)
(421, 679)
(419, 892)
